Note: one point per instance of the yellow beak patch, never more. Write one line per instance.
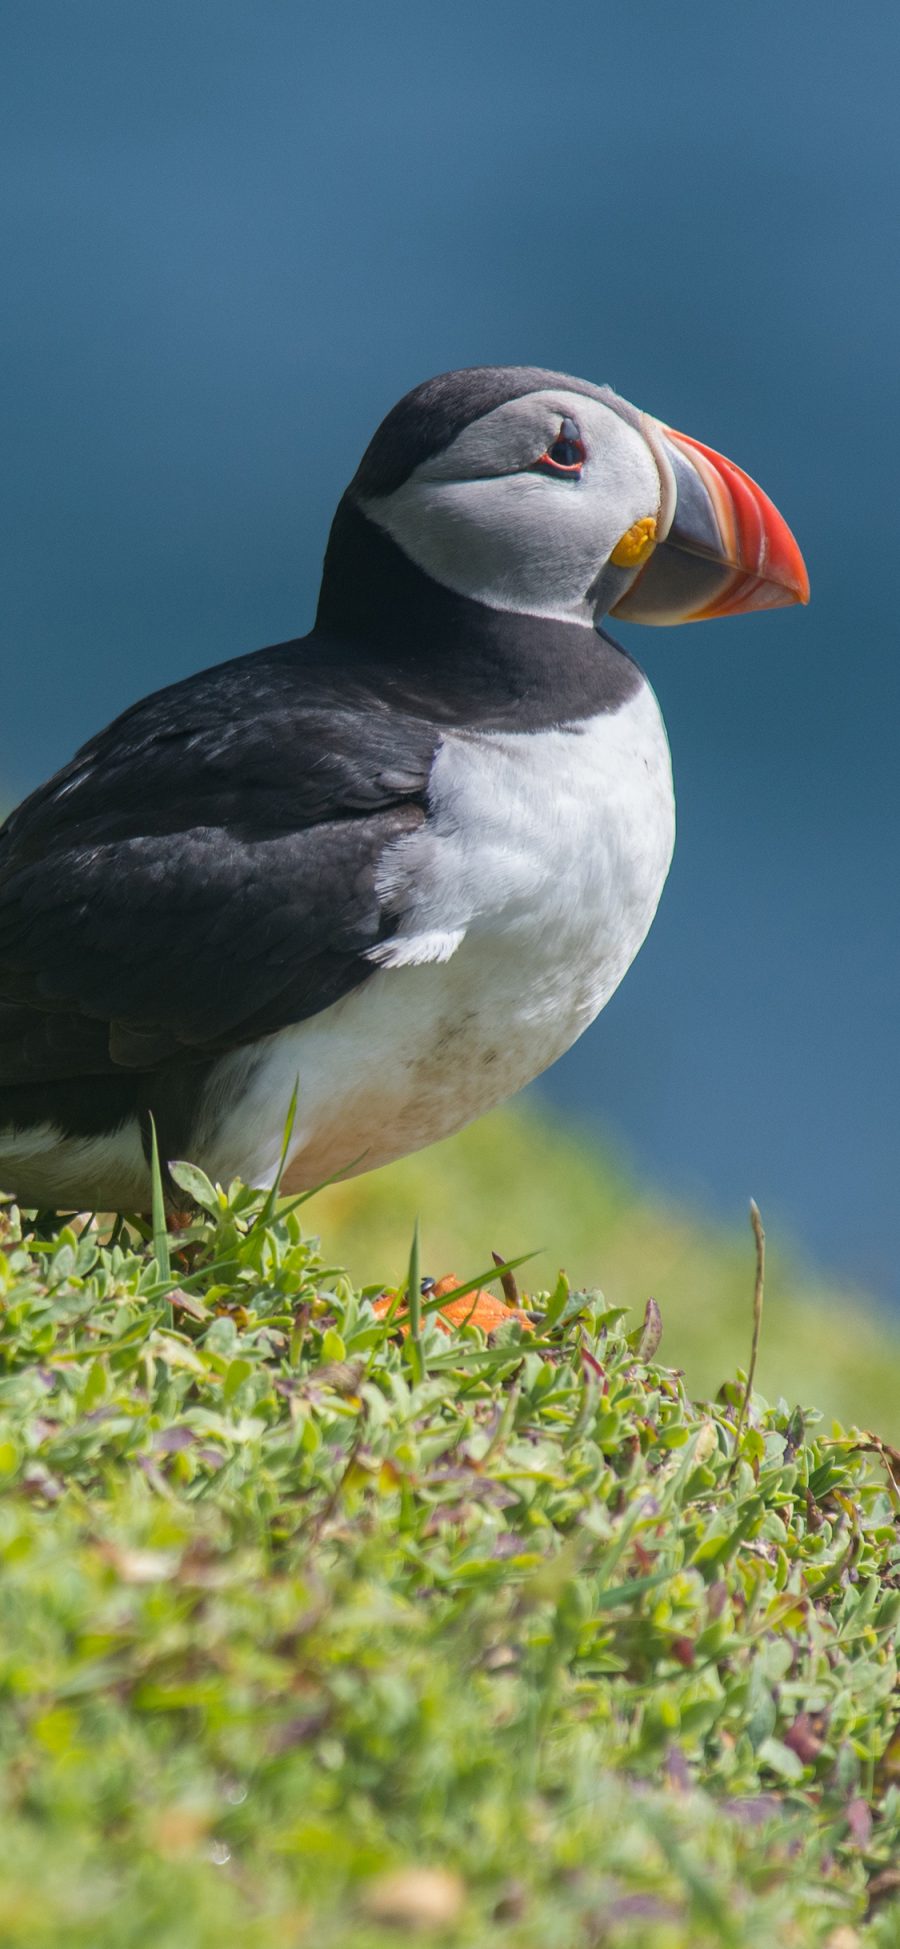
(636, 544)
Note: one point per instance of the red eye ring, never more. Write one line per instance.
(553, 466)
(566, 455)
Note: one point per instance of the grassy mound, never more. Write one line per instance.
(311, 1633)
(519, 1179)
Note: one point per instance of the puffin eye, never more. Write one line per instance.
(566, 455)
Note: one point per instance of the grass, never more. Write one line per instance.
(314, 1634)
(519, 1180)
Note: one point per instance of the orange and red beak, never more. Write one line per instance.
(724, 548)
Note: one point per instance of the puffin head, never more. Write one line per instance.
(529, 490)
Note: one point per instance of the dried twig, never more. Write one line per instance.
(507, 1281)
(760, 1237)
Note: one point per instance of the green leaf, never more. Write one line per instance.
(556, 1303)
(236, 1374)
(626, 1593)
(158, 1207)
(195, 1182)
(782, 1760)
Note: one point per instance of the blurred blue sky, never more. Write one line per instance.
(235, 230)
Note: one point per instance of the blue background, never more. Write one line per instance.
(236, 230)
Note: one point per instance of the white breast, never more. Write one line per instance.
(521, 904)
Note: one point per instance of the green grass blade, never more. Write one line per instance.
(415, 1357)
(493, 1274)
(159, 1228)
(267, 1213)
(303, 1197)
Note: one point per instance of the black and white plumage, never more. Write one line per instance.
(405, 859)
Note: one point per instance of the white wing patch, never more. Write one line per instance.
(413, 950)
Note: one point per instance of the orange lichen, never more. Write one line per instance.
(480, 1308)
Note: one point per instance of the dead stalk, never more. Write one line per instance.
(508, 1282)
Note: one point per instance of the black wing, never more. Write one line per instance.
(204, 871)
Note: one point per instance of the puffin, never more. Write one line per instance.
(388, 871)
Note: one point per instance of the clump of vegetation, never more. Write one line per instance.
(522, 1175)
(318, 1631)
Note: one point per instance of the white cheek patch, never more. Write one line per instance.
(478, 520)
(502, 542)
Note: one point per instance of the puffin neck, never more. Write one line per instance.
(465, 660)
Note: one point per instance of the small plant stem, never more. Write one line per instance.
(758, 1290)
(507, 1281)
